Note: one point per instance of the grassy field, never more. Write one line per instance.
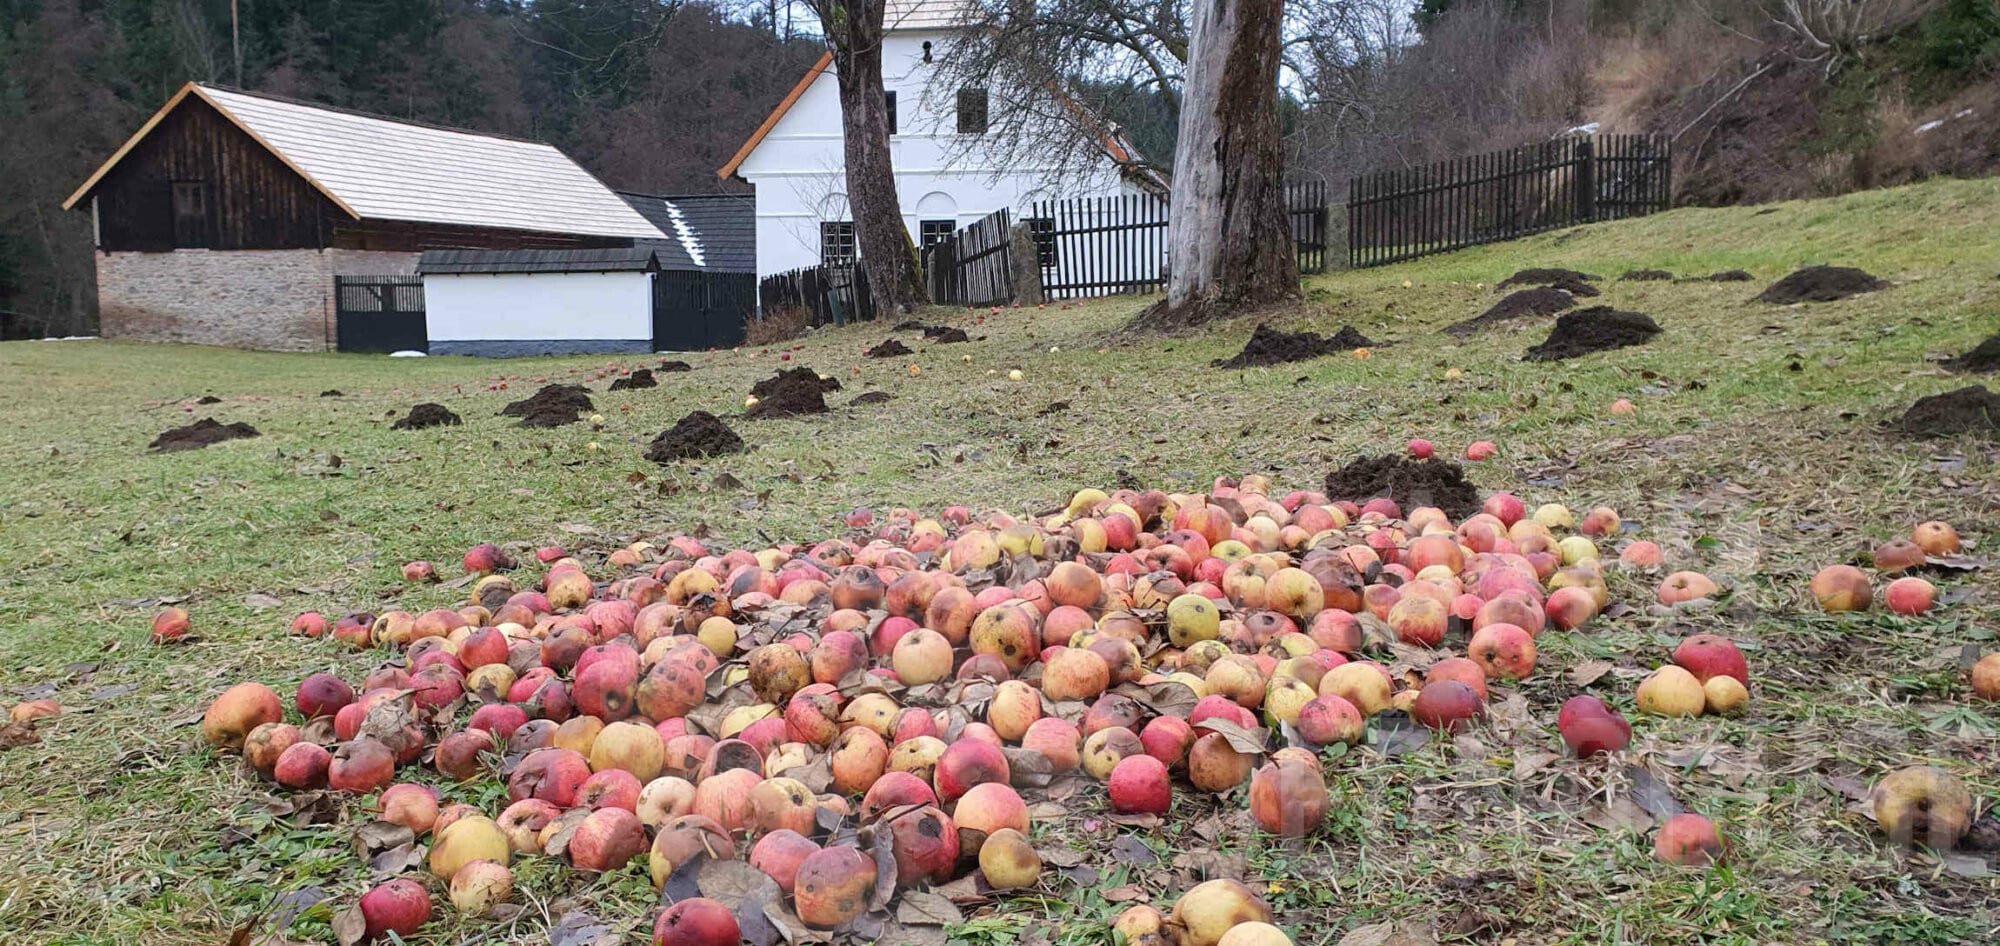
(1754, 454)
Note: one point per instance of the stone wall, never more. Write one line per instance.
(272, 300)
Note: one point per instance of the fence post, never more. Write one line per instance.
(1586, 181)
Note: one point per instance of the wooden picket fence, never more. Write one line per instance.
(1405, 213)
(1107, 245)
(836, 293)
(973, 266)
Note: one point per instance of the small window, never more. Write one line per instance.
(836, 242)
(1043, 230)
(190, 214)
(889, 98)
(972, 111)
(934, 231)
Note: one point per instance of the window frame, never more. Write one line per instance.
(927, 228)
(967, 97)
(1042, 230)
(832, 235)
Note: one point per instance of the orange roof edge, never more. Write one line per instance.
(770, 122)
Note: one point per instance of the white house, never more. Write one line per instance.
(944, 180)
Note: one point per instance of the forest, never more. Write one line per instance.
(1765, 99)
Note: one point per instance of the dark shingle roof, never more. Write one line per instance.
(611, 260)
(722, 229)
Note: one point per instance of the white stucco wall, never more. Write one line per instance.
(799, 169)
(539, 306)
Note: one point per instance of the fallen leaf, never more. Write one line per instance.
(396, 860)
(925, 908)
(730, 882)
(350, 927)
(1125, 893)
(1652, 794)
(577, 928)
(379, 836)
(1389, 934)
(1240, 738)
(1130, 850)
(884, 851)
(1587, 672)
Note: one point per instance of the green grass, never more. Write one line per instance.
(119, 828)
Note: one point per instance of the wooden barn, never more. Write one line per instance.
(252, 221)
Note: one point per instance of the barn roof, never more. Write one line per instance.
(716, 232)
(624, 259)
(379, 168)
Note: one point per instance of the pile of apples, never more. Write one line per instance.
(809, 705)
(1840, 588)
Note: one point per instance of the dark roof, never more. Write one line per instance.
(721, 228)
(613, 260)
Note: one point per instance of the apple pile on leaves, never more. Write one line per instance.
(865, 715)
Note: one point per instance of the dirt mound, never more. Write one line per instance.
(699, 434)
(1730, 275)
(555, 405)
(207, 399)
(1598, 328)
(673, 366)
(425, 416)
(1982, 359)
(793, 377)
(1546, 276)
(1269, 346)
(200, 434)
(331, 392)
(790, 393)
(946, 334)
(1645, 275)
(873, 397)
(1968, 410)
(1542, 301)
(574, 398)
(1411, 483)
(890, 348)
(1820, 284)
(639, 378)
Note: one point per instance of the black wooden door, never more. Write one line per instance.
(697, 311)
(380, 313)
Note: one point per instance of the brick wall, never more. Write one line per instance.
(274, 300)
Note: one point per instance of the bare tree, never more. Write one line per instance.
(1040, 55)
(853, 32)
(1228, 244)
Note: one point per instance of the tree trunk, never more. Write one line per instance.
(854, 29)
(1229, 242)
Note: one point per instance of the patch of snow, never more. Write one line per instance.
(689, 241)
(1587, 128)
(1934, 123)
(73, 338)
(408, 354)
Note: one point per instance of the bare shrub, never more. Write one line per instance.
(1829, 29)
(777, 325)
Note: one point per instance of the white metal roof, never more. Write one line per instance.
(930, 14)
(389, 170)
